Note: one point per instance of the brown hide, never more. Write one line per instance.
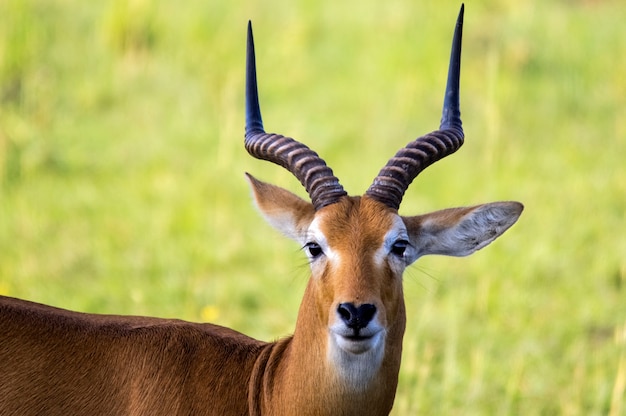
(56, 362)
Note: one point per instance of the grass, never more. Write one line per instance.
(122, 190)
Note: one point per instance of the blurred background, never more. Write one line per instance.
(122, 187)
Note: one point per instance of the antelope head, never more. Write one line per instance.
(353, 313)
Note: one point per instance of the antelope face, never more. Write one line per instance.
(356, 249)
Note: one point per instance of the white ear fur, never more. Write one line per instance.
(460, 231)
(283, 210)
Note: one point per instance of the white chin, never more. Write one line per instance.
(357, 360)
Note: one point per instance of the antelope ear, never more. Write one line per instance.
(283, 210)
(460, 231)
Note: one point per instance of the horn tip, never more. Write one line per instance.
(254, 121)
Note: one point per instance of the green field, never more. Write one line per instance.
(122, 175)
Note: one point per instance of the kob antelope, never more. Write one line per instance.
(344, 355)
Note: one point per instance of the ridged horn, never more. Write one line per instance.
(311, 170)
(394, 179)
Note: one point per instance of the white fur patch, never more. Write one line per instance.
(357, 370)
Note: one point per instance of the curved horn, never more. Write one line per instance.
(394, 179)
(311, 170)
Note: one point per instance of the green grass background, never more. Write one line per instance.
(122, 188)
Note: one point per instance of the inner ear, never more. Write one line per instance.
(283, 210)
(461, 231)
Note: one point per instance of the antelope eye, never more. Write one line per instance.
(399, 247)
(314, 249)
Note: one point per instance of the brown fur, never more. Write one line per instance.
(56, 362)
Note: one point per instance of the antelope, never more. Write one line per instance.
(344, 355)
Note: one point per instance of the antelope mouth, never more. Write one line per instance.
(357, 343)
(359, 335)
(358, 338)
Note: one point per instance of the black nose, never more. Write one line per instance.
(356, 318)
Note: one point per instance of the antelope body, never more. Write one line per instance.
(344, 355)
